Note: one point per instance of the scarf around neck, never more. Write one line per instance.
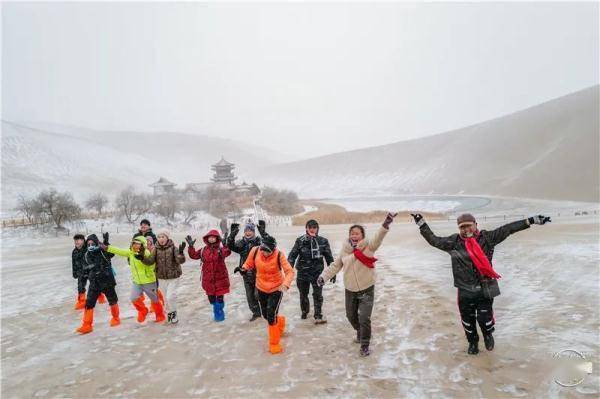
(479, 259)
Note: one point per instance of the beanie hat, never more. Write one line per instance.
(250, 226)
(269, 243)
(165, 232)
(465, 218)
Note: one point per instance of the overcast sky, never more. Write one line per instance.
(303, 78)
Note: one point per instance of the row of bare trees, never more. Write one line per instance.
(51, 206)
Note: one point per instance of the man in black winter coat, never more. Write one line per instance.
(146, 231)
(310, 251)
(78, 264)
(471, 253)
(243, 247)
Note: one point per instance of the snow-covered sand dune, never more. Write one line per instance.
(549, 151)
(548, 303)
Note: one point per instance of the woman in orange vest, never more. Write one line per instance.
(274, 275)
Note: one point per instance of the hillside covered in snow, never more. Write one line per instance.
(85, 161)
(549, 151)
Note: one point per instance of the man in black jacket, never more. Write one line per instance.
(471, 253)
(145, 230)
(243, 247)
(78, 264)
(310, 250)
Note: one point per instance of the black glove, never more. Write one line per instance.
(139, 256)
(389, 219)
(234, 229)
(240, 270)
(105, 238)
(539, 219)
(181, 247)
(418, 219)
(333, 279)
(262, 225)
(189, 240)
(320, 281)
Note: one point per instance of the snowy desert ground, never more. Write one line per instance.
(549, 302)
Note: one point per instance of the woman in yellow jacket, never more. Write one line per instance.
(141, 263)
(274, 275)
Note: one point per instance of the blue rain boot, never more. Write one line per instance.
(220, 315)
(216, 311)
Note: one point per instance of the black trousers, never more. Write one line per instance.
(251, 293)
(215, 298)
(269, 305)
(475, 309)
(94, 291)
(359, 306)
(81, 282)
(304, 288)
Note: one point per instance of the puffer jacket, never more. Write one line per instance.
(357, 276)
(168, 260)
(272, 271)
(215, 278)
(98, 265)
(301, 256)
(78, 261)
(142, 271)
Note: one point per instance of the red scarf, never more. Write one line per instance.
(364, 259)
(479, 259)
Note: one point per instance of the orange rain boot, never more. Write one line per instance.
(159, 311)
(143, 298)
(141, 308)
(281, 324)
(274, 337)
(80, 304)
(88, 319)
(114, 311)
(101, 298)
(161, 298)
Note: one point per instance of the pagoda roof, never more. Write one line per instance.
(162, 182)
(223, 162)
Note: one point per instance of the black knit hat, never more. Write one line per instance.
(79, 237)
(269, 243)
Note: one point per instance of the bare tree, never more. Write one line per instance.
(189, 209)
(29, 208)
(167, 206)
(280, 202)
(220, 201)
(97, 202)
(58, 207)
(132, 205)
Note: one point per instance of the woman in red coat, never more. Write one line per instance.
(215, 278)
